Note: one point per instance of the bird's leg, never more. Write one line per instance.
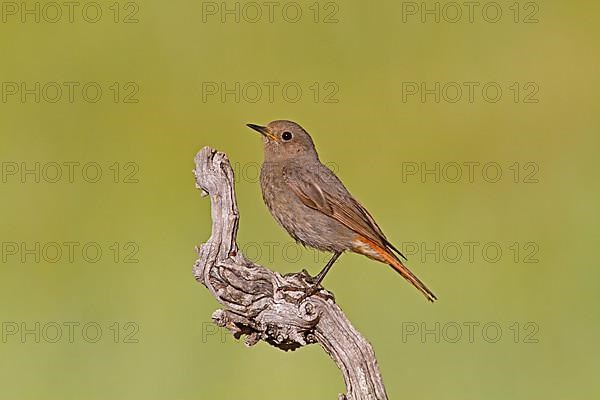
(317, 280)
(325, 270)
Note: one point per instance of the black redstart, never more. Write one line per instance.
(314, 206)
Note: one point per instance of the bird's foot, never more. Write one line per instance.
(309, 292)
(306, 292)
(303, 275)
(305, 284)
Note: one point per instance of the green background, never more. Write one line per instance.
(366, 136)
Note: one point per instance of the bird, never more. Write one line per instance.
(312, 204)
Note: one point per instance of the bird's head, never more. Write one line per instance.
(285, 140)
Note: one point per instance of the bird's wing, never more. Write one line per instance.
(321, 190)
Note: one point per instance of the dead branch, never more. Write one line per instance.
(259, 303)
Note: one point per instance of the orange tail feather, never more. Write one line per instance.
(374, 251)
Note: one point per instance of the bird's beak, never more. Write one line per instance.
(263, 130)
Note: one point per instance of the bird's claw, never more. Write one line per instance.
(305, 283)
(306, 292)
(309, 292)
(304, 274)
(308, 277)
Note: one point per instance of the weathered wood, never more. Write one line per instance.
(262, 304)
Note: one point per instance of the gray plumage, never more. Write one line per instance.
(312, 204)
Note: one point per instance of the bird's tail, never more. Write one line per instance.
(412, 278)
(376, 252)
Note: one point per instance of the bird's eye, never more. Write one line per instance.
(286, 135)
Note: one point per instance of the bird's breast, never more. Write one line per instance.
(306, 225)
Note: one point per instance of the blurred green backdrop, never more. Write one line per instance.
(131, 323)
